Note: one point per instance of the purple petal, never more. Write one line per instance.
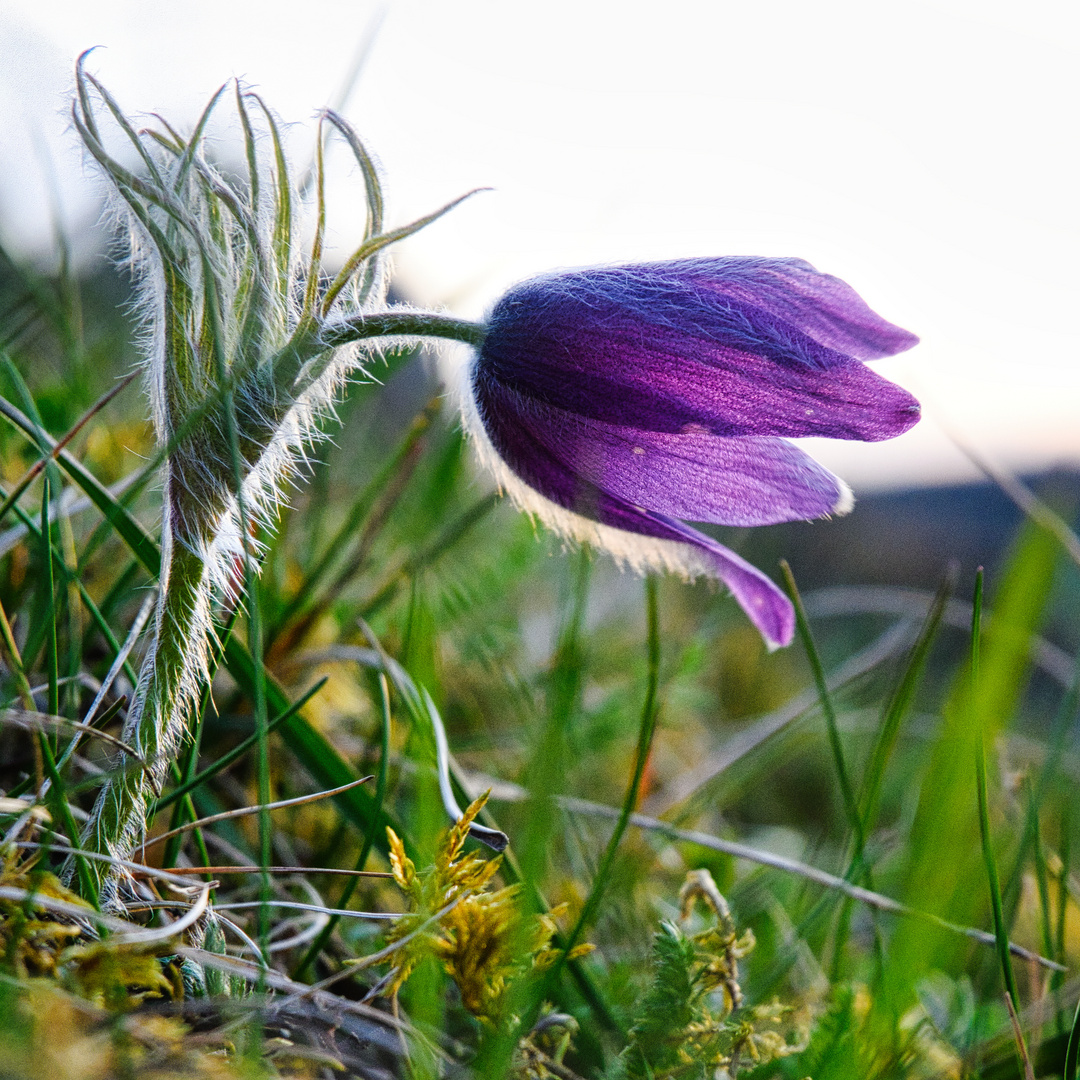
(654, 348)
(698, 476)
(638, 395)
(822, 306)
(765, 605)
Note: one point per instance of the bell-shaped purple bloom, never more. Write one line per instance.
(613, 402)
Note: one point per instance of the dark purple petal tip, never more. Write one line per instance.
(636, 396)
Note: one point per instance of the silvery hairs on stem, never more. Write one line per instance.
(247, 340)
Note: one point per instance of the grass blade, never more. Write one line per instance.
(898, 705)
(310, 597)
(49, 585)
(314, 751)
(319, 943)
(310, 747)
(944, 852)
(1073, 1050)
(847, 791)
(58, 804)
(428, 555)
(1062, 726)
(117, 514)
(15, 660)
(1000, 932)
(649, 713)
(237, 752)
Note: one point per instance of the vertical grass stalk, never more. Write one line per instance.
(1001, 935)
(649, 712)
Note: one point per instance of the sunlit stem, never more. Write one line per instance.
(297, 365)
(405, 323)
(157, 722)
(168, 684)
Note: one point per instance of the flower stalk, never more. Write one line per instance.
(246, 345)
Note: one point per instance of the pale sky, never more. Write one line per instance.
(925, 152)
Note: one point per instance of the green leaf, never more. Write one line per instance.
(945, 851)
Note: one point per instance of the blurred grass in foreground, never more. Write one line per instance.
(548, 672)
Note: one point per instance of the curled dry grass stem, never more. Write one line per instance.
(321, 909)
(135, 869)
(245, 811)
(423, 711)
(332, 871)
(506, 792)
(35, 721)
(67, 908)
(384, 954)
(190, 917)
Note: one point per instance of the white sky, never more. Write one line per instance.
(925, 152)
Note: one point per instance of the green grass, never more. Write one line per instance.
(940, 775)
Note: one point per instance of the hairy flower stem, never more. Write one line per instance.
(248, 342)
(297, 360)
(158, 721)
(389, 323)
(175, 663)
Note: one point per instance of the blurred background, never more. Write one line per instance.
(921, 151)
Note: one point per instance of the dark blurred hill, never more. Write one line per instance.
(909, 537)
(908, 540)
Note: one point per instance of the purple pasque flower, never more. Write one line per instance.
(614, 403)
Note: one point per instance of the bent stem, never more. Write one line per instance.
(175, 663)
(246, 348)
